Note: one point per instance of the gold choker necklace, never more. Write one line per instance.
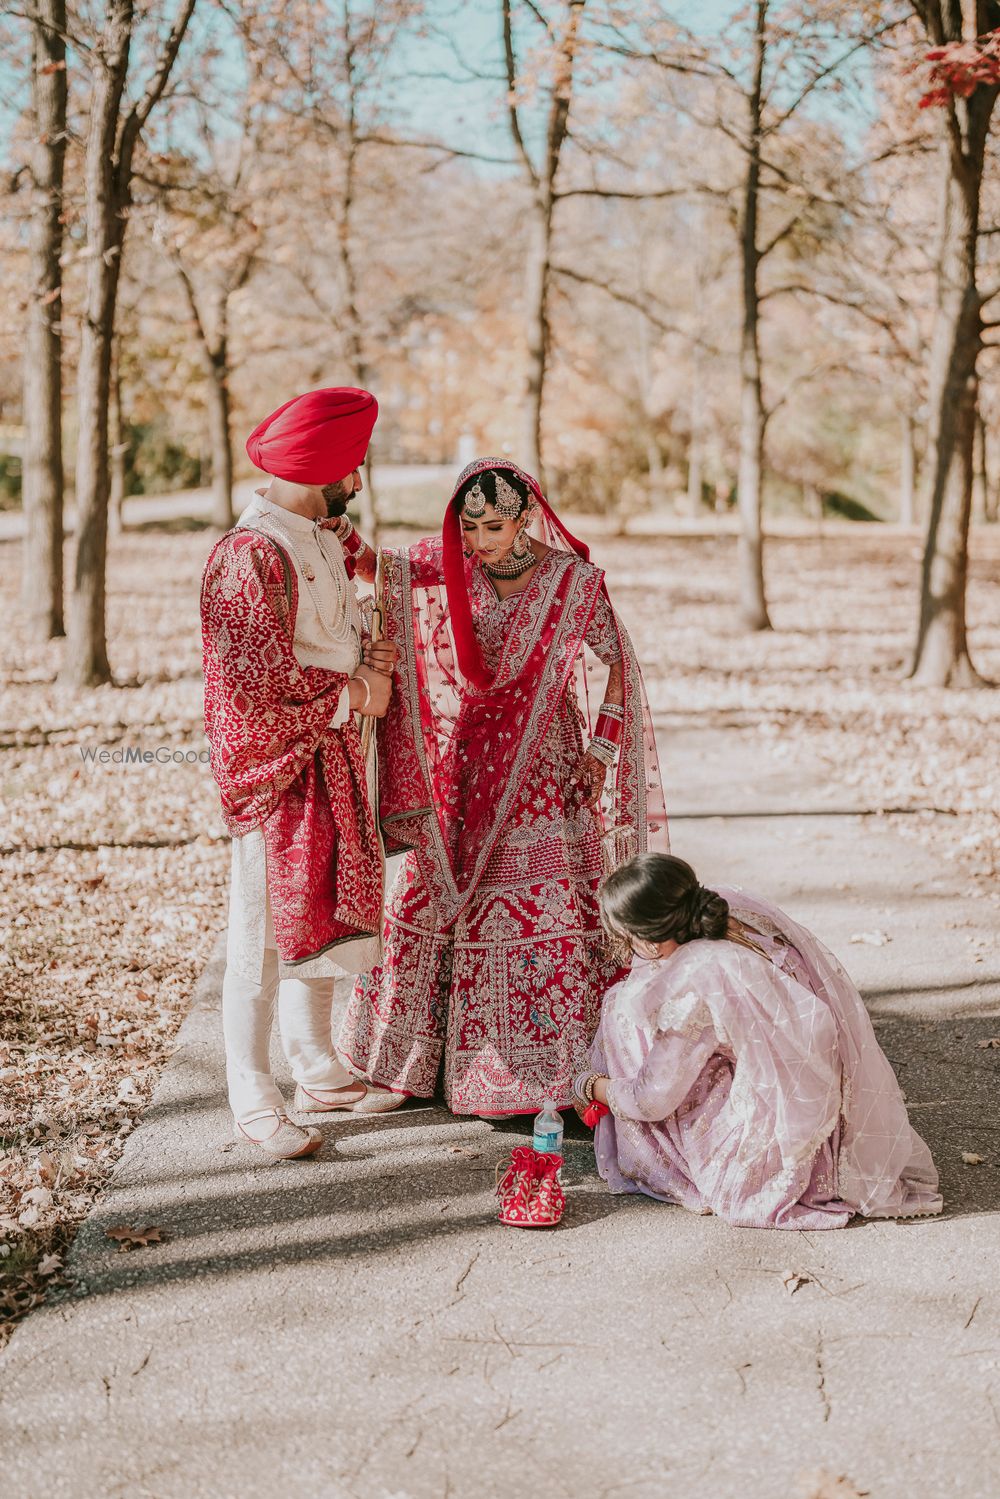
(511, 566)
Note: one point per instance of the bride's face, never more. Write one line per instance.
(490, 537)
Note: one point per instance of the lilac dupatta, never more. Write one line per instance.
(754, 1086)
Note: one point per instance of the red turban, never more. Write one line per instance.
(318, 438)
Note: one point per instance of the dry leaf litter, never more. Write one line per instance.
(115, 877)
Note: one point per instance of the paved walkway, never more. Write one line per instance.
(359, 1327)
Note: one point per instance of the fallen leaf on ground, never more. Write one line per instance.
(49, 1264)
(48, 1168)
(971, 1159)
(41, 1197)
(872, 939)
(818, 1484)
(990, 1044)
(793, 1279)
(134, 1238)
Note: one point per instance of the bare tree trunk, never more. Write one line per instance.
(119, 446)
(654, 464)
(993, 484)
(941, 658)
(538, 252)
(907, 469)
(42, 486)
(367, 500)
(86, 662)
(215, 354)
(696, 446)
(107, 179)
(812, 503)
(980, 474)
(220, 434)
(654, 458)
(212, 332)
(753, 602)
(537, 273)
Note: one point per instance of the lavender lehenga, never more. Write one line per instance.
(746, 1081)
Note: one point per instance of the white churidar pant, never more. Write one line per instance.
(257, 984)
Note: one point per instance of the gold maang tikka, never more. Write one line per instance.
(508, 502)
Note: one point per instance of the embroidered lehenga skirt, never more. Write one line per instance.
(510, 997)
(505, 1001)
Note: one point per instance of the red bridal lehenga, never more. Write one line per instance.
(495, 961)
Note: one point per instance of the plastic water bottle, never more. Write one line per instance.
(549, 1129)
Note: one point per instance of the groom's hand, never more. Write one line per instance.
(379, 690)
(381, 655)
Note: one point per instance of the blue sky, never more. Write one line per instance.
(429, 100)
(470, 111)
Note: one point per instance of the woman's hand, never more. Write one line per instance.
(380, 655)
(589, 777)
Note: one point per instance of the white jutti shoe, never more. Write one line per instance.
(372, 1101)
(286, 1142)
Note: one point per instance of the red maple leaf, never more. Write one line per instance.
(959, 68)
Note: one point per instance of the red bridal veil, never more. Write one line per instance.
(458, 740)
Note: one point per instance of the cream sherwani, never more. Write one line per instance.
(324, 589)
(257, 983)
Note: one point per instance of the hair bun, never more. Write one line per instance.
(709, 914)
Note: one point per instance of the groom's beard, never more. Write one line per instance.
(337, 497)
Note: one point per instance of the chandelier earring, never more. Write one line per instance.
(522, 545)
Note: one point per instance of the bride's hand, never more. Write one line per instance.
(589, 777)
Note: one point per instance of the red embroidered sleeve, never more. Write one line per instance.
(265, 714)
(426, 563)
(602, 632)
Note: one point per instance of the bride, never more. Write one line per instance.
(495, 959)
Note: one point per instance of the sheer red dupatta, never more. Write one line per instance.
(458, 741)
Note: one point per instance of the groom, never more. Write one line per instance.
(286, 669)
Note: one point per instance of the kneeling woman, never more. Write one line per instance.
(740, 1067)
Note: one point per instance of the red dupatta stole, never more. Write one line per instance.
(278, 764)
(458, 741)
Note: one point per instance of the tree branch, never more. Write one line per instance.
(627, 300)
(391, 140)
(824, 367)
(608, 192)
(140, 111)
(775, 240)
(829, 70)
(512, 115)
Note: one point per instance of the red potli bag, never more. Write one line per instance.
(529, 1191)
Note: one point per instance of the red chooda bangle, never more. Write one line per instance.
(608, 728)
